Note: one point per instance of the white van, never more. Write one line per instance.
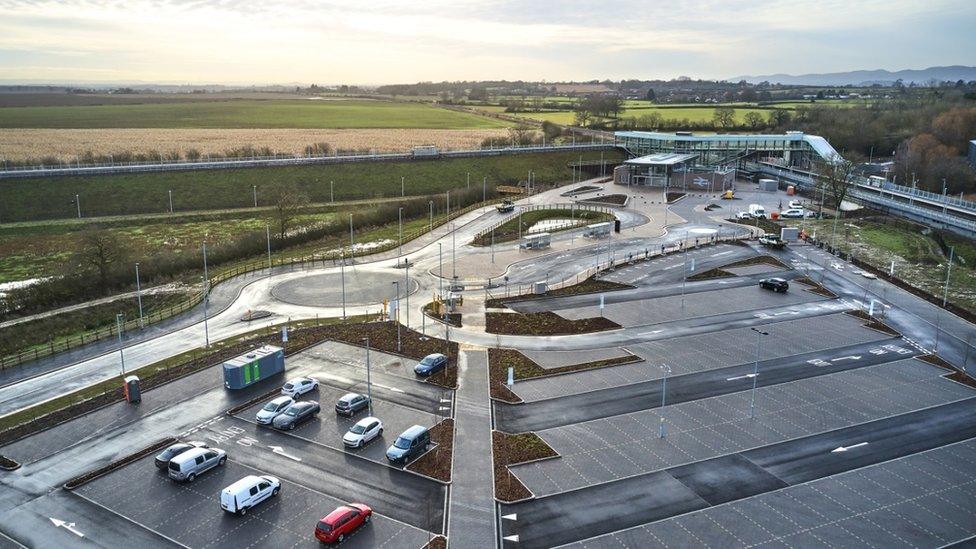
(248, 492)
(192, 463)
(757, 211)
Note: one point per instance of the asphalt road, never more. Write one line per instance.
(571, 409)
(579, 514)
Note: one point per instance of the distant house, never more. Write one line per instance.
(972, 153)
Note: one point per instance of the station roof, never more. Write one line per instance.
(661, 159)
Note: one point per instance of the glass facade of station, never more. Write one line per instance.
(794, 149)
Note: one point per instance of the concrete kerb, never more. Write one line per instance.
(508, 467)
(85, 478)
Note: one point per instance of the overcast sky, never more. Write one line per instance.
(382, 41)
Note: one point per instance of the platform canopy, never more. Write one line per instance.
(661, 159)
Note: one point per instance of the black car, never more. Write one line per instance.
(774, 284)
(351, 403)
(163, 458)
(295, 414)
(430, 364)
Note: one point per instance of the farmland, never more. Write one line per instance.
(67, 144)
(241, 113)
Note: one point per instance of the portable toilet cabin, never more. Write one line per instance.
(254, 366)
(597, 230)
(536, 241)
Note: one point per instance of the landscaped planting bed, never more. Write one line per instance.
(437, 462)
(610, 199)
(509, 449)
(589, 286)
(500, 360)
(816, 287)
(545, 323)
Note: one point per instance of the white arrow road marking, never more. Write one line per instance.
(394, 389)
(651, 333)
(511, 538)
(747, 376)
(447, 400)
(281, 452)
(852, 357)
(443, 408)
(69, 526)
(846, 448)
(513, 516)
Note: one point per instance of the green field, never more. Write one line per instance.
(692, 113)
(53, 198)
(245, 113)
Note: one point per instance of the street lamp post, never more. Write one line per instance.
(453, 254)
(352, 242)
(430, 205)
(755, 370)
(267, 229)
(406, 287)
(255, 187)
(342, 278)
(206, 296)
(400, 231)
(139, 294)
(403, 192)
(118, 328)
(369, 384)
(170, 192)
(664, 392)
(78, 204)
(396, 284)
(440, 270)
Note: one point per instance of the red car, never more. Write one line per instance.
(337, 525)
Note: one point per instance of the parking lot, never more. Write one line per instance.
(708, 351)
(190, 513)
(725, 473)
(328, 428)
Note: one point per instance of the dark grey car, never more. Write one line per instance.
(351, 403)
(295, 414)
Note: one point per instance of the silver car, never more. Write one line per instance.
(273, 409)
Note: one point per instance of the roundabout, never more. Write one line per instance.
(325, 289)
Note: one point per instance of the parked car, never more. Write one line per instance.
(338, 524)
(410, 444)
(163, 458)
(295, 414)
(363, 432)
(351, 403)
(430, 364)
(792, 213)
(273, 409)
(299, 386)
(774, 284)
(743, 215)
(248, 492)
(795, 204)
(193, 463)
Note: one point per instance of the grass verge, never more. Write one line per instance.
(544, 323)
(500, 360)
(509, 449)
(437, 462)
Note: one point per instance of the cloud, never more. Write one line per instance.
(330, 41)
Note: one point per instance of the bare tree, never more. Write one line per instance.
(581, 117)
(289, 200)
(835, 179)
(724, 116)
(521, 134)
(100, 251)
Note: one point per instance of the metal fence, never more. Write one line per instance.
(10, 172)
(572, 207)
(613, 263)
(387, 251)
